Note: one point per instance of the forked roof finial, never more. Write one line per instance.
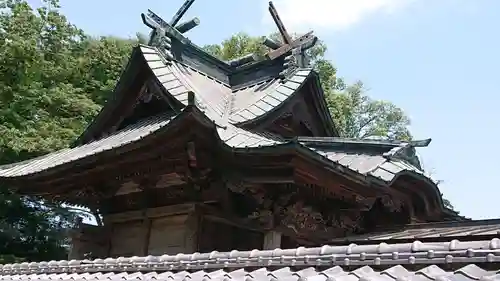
(161, 28)
(304, 42)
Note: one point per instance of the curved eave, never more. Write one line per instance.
(275, 99)
(123, 139)
(123, 83)
(381, 172)
(324, 113)
(270, 101)
(230, 136)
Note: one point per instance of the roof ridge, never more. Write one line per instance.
(167, 56)
(394, 143)
(375, 254)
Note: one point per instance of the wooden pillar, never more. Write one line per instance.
(272, 240)
(193, 226)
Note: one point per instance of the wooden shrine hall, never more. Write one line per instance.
(195, 154)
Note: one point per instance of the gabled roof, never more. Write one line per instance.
(366, 165)
(371, 166)
(473, 260)
(221, 102)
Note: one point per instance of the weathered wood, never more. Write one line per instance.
(128, 100)
(281, 27)
(304, 42)
(180, 13)
(123, 156)
(134, 157)
(164, 196)
(243, 60)
(311, 171)
(212, 213)
(147, 227)
(272, 240)
(188, 25)
(304, 39)
(150, 213)
(271, 44)
(126, 239)
(161, 27)
(88, 241)
(193, 231)
(168, 235)
(425, 203)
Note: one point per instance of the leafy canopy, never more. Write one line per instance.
(53, 80)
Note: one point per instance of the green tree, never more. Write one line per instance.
(356, 114)
(39, 112)
(53, 80)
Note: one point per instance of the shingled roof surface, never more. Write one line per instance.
(217, 99)
(453, 260)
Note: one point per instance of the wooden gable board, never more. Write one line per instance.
(145, 63)
(302, 91)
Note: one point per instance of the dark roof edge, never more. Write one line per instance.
(340, 140)
(114, 99)
(375, 254)
(189, 110)
(330, 127)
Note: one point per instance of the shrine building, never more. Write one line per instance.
(198, 168)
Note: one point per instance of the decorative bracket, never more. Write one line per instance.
(300, 45)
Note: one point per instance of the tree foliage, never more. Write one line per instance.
(53, 79)
(356, 114)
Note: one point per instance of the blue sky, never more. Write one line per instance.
(438, 60)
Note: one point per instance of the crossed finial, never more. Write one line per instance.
(304, 42)
(162, 28)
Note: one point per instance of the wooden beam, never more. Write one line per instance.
(272, 240)
(213, 214)
(149, 213)
(193, 231)
(175, 134)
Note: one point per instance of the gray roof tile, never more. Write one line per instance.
(430, 273)
(463, 230)
(351, 262)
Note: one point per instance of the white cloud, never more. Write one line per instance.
(331, 14)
